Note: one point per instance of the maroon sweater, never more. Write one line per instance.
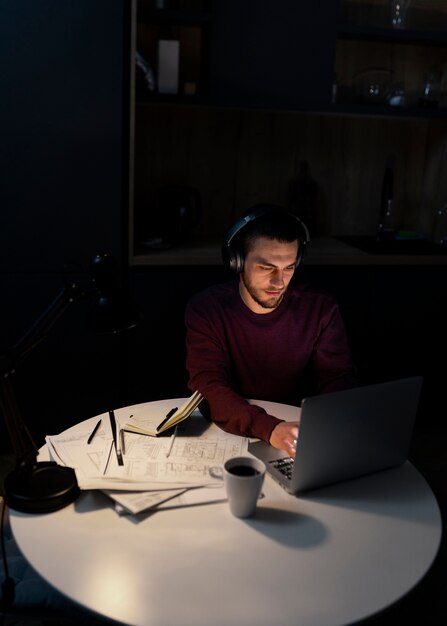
(298, 349)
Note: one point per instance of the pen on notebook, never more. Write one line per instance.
(168, 415)
(94, 431)
(171, 442)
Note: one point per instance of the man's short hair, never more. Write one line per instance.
(276, 223)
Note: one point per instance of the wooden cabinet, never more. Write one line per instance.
(263, 110)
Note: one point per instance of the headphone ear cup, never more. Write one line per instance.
(238, 261)
(234, 260)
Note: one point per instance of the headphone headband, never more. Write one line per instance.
(233, 256)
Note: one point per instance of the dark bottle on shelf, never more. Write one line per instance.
(304, 198)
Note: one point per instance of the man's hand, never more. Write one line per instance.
(284, 437)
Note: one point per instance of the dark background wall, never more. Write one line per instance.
(63, 162)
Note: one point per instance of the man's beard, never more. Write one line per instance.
(269, 303)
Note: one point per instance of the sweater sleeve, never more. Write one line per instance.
(209, 368)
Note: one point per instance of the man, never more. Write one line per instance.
(263, 336)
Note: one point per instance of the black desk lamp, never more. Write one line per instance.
(42, 487)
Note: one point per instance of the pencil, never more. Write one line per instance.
(172, 442)
(94, 431)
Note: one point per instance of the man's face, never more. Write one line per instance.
(268, 269)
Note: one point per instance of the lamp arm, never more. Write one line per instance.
(21, 439)
(42, 326)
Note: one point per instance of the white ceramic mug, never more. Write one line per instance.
(243, 477)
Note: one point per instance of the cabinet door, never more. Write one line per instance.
(277, 54)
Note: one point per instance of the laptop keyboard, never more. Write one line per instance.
(285, 466)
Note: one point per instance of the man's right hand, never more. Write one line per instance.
(284, 437)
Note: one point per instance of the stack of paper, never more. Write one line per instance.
(133, 502)
(157, 472)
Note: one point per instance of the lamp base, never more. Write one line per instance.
(40, 487)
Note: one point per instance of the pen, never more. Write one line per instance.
(94, 431)
(172, 442)
(122, 440)
(115, 438)
(168, 415)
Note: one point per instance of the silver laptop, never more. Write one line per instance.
(347, 434)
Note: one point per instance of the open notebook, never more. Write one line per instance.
(154, 424)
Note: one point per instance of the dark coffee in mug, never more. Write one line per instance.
(244, 470)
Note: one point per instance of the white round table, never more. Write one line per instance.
(331, 558)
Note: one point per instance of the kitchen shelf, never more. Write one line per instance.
(326, 251)
(179, 16)
(409, 37)
(147, 98)
(343, 107)
(347, 107)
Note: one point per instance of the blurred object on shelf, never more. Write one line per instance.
(440, 227)
(334, 89)
(146, 70)
(168, 65)
(172, 220)
(398, 12)
(303, 197)
(431, 92)
(190, 88)
(398, 97)
(374, 85)
(385, 230)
